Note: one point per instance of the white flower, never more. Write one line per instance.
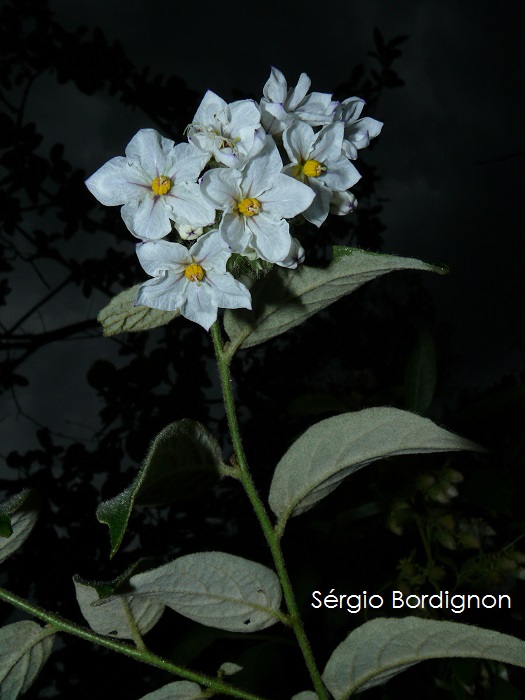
(193, 281)
(156, 184)
(358, 132)
(280, 107)
(317, 160)
(256, 203)
(232, 133)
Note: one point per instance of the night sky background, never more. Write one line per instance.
(445, 186)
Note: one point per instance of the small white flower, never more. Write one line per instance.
(156, 184)
(193, 281)
(256, 203)
(358, 132)
(231, 133)
(280, 107)
(316, 159)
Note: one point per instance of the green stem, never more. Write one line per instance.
(144, 656)
(135, 632)
(223, 358)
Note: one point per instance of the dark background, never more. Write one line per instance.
(441, 183)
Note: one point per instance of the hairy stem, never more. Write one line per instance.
(147, 657)
(137, 637)
(260, 511)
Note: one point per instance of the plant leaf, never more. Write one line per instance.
(384, 647)
(24, 649)
(179, 690)
(183, 461)
(104, 604)
(216, 589)
(18, 516)
(420, 376)
(285, 298)
(336, 447)
(228, 668)
(121, 315)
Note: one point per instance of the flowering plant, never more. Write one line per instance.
(219, 223)
(246, 194)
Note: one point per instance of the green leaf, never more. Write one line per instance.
(305, 695)
(285, 298)
(121, 315)
(216, 589)
(107, 605)
(420, 376)
(382, 648)
(336, 447)
(18, 516)
(24, 649)
(183, 461)
(179, 690)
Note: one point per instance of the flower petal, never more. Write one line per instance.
(287, 198)
(234, 232)
(317, 108)
(148, 218)
(229, 293)
(298, 140)
(158, 256)
(350, 109)
(297, 95)
(211, 105)
(221, 187)
(275, 88)
(210, 251)
(244, 114)
(260, 171)
(318, 209)
(360, 132)
(271, 239)
(165, 292)
(189, 205)
(329, 144)
(199, 305)
(150, 151)
(186, 163)
(118, 181)
(340, 175)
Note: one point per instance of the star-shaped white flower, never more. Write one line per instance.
(231, 133)
(193, 281)
(256, 203)
(316, 159)
(156, 184)
(357, 132)
(281, 106)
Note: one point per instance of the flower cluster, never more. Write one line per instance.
(246, 170)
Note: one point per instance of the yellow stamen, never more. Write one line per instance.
(249, 206)
(194, 273)
(161, 184)
(313, 168)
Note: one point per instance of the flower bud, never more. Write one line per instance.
(189, 233)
